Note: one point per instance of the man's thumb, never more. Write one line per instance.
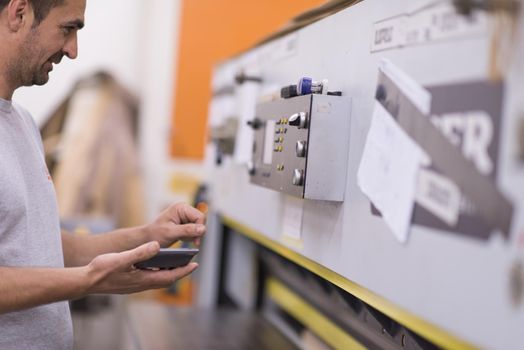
(141, 253)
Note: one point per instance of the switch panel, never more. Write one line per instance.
(301, 147)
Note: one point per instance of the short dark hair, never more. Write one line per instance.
(41, 8)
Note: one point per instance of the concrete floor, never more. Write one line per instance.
(134, 324)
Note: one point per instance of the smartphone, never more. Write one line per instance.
(168, 258)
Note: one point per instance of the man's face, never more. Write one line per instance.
(46, 43)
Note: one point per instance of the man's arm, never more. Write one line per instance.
(178, 222)
(79, 250)
(23, 288)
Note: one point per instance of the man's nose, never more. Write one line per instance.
(71, 47)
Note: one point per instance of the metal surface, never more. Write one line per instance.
(310, 317)
(309, 139)
(367, 325)
(328, 148)
(435, 334)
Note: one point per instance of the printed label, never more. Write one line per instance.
(436, 22)
(439, 195)
(388, 34)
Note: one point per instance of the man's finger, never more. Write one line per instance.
(188, 231)
(140, 253)
(165, 278)
(185, 270)
(187, 214)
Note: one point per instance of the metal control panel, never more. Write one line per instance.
(301, 146)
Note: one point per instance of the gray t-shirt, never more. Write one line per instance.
(29, 231)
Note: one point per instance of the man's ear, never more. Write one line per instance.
(18, 14)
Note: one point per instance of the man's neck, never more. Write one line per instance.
(6, 86)
(6, 93)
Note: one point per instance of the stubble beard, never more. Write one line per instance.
(24, 70)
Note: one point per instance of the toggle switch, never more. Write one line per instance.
(255, 123)
(298, 177)
(307, 86)
(301, 149)
(299, 120)
(242, 77)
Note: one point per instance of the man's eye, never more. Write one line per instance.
(67, 30)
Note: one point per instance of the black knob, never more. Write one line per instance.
(241, 78)
(255, 123)
(251, 168)
(381, 93)
(288, 91)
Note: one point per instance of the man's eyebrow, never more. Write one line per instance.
(77, 23)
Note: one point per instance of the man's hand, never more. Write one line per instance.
(114, 273)
(178, 222)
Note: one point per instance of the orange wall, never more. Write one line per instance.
(213, 30)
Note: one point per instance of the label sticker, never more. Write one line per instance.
(438, 195)
(292, 218)
(269, 137)
(389, 34)
(438, 21)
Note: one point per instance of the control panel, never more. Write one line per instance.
(301, 146)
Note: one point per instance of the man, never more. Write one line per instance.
(40, 268)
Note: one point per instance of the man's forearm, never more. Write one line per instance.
(179, 221)
(79, 250)
(23, 288)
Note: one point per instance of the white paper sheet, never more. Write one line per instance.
(292, 218)
(388, 171)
